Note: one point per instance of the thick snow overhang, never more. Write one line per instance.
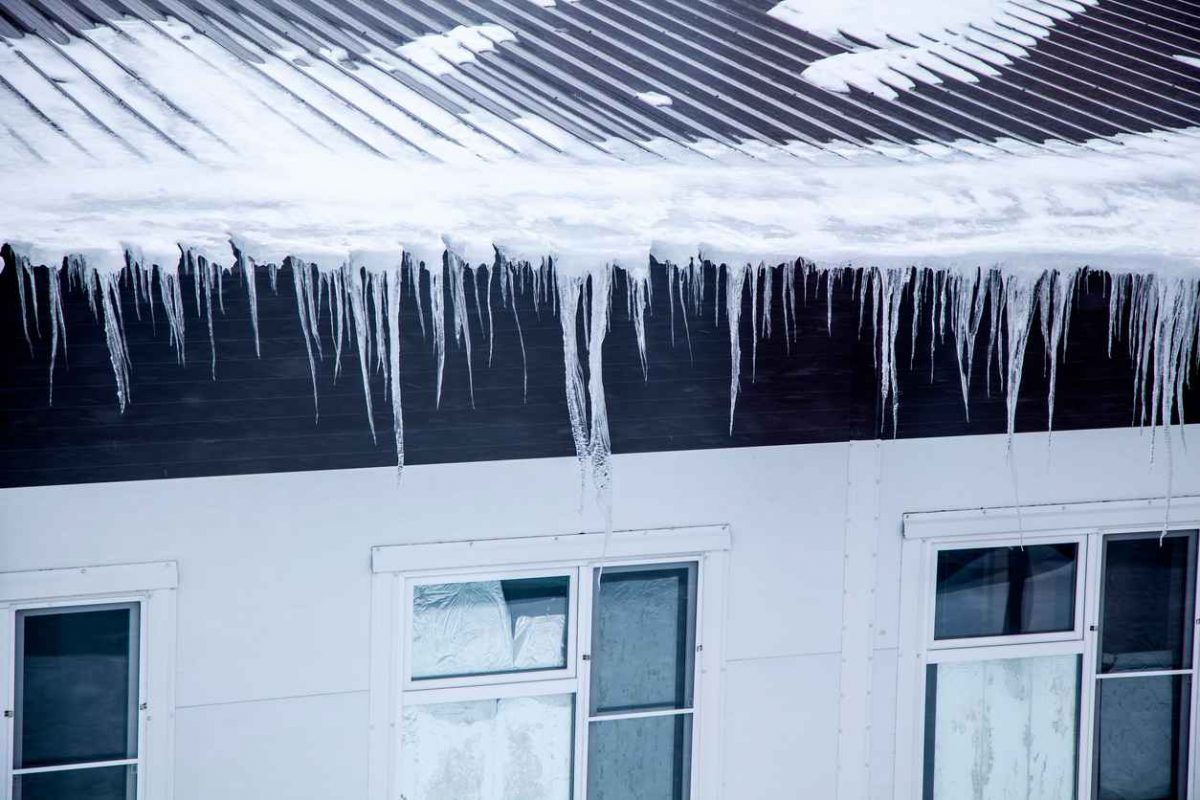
(364, 142)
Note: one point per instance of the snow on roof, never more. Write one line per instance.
(372, 137)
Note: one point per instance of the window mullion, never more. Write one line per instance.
(583, 668)
(1087, 690)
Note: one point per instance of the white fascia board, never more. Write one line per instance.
(85, 581)
(1105, 516)
(573, 547)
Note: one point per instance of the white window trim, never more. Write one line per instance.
(394, 565)
(924, 532)
(151, 585)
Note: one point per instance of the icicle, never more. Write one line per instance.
(437, 313)
(1019, 292)
(380, 335)
(461, 319)
(918, 298)
(639, 300)
(1063, 287)
(1118, 286)
(789, 304)
(203, 273)
(393, 307)
(569, 290)
(755, 279)
(887, 293)
(687, 329)
(300, 280)
(107, 285)
(247, 265)
(312, 299)
(273, 274)
(21, 270)
(512, 299)
(362, 335)
(735, 283)
(58, 325)
(172, 300)
(220, 273)
(491, 277)
(995, 284)
(599, 445)
(967, 293)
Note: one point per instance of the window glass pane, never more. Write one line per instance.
(1141, 738)
(487, 627)
(643, 639)
(1147, 613)
(76, 685)
(647, 758)
(1003, 591)
(510, 749)
(1003, 729)
(98, 783)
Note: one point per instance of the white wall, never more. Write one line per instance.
(274, 586)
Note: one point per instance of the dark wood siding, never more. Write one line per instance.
(257, 416)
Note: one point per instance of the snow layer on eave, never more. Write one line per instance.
(920, 40)
(1133, 207)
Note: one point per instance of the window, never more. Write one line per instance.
(77, 683)
(1055, 666)
(575, 675)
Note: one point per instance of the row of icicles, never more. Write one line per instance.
(1158, 315)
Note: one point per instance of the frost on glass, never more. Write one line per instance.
(508, 749)
(485, 627)
(1003, 730)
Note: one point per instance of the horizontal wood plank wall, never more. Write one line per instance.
(257, 416)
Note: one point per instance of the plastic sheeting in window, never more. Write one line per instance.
(1004, 729)
(509, 749)
(473, 629)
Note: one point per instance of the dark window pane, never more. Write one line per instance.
(646, 758)
(643, 638)
(76, 685)
(489, 627)
(99, 783)
(1141, 738)
(1147, 613)
(1003, 591)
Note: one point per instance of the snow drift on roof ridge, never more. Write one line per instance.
(920, 40)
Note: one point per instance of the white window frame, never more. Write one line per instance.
(152, 587)
(1090, 524)
(397, 568)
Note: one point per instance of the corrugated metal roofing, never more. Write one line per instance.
(80, 78)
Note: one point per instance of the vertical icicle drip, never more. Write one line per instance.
(937, 320)
(1118, 286)
(22, 269)
(393, 308)
(687, 329)
(639, 299)
(1060, 294)
(735, 282)
(205, 275)
(789, 304)
(300, 279)
(967, 296)
(58, 325)
(377, 301)
(337, 311)
(362, 335)
(273, 275)
(509, 275)
(599, 445)
(887, 293)
(1019, 292)
(755, 279)
(569, 292)
(413, 270)
(461, 318)
(996, 299)
(918, 301)
(172, 300)
(671, 271)
(437, 314)
(829, 302)
(252, 297)
(108, 286)
(491, 327)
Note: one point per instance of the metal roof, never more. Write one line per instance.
(571, 79)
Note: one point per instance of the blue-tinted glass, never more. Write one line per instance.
(1142, 738)
(646, 758)
(76, 685)
(99, 783)
(642, 639)
(489, 627)
(1003, 591)
(1147, 615)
